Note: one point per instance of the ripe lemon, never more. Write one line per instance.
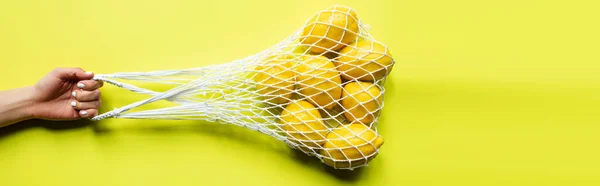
(361, 101)
(319, 81)
(331, 29)
(365, 60)
(302, 122)
(351, 146)
(275, 79)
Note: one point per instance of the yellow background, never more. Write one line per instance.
(483, 93)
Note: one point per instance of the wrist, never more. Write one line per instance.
(16, 105)
(28, 101)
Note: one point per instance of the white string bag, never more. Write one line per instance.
(288, 91)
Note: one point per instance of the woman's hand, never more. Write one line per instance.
(66, 94)
(63, 94)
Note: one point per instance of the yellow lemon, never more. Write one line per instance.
(361, 101)
(302, 122)
(330, 29)
(351, 146)
(275, 79)
(319, 81)
(365, 60)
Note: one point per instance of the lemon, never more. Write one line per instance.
(361, 101)
(330, 29)
(365, 60)
(319, 81)
(351, 146)
(275, 79)
(302, 122)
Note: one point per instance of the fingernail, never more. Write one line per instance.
(89, 72)
(74, 93)
(73, 103)
(83, 113)
(80, 85)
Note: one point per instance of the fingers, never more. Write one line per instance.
(88, 113)
(72, 74)
(87, 99)
(90, 85)
(84, 96)
(87, 109)
(86, 105)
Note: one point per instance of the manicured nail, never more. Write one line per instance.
(74, 93)
(83, 112)
(80, 85)
(89, 72)
(73, 103)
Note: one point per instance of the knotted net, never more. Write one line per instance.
(319, 90)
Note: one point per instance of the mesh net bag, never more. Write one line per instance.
(319, 90)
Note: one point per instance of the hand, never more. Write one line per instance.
(66, 94)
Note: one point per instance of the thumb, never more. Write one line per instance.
(72, 74)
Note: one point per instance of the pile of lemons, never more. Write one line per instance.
(338, 70)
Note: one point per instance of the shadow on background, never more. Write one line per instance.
(242, 135)
(51, 125)
(340, 174)
(214, 130)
